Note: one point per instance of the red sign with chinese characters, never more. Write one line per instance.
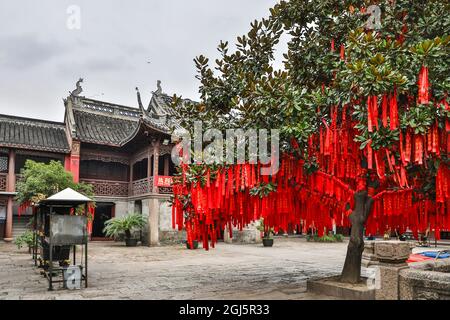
(164, 181)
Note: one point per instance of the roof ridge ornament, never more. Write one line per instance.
(158, 85)
(78, 90)
(141, 107)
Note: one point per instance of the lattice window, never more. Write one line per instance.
(111, 189)
(3, 164)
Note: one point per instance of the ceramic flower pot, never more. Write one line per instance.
(129, 242)
(194, 245)
(267, 242)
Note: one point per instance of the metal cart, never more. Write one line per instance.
(60, 225)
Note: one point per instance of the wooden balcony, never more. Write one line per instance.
(106, 188)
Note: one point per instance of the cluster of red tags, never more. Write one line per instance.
(325, 198)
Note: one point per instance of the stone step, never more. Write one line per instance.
(20, 225)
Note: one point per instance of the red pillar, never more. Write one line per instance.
(72, 161)
(67, 162)
(75, 168)
(10, 187)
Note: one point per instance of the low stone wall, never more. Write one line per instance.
(172, 237)
(168, 235)
(343, 291)
(428, 280)
(250, 234)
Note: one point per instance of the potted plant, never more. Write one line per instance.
(194, 245)
(268, 233)
(125, 226)
(25, 239)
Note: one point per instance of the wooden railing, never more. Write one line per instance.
(3, 179)
(165, 190)
(108, 188)
(142, 186)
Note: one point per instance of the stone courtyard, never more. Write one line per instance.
(231, 271)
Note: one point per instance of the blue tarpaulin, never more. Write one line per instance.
(433, 254)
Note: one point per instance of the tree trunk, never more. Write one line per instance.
(351, 272)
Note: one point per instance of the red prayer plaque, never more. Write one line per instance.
(164, 181)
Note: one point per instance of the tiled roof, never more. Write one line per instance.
(161, 104)
(106, 123)
(33, 134)
(103, 129)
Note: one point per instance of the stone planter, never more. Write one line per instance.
(392, 252)
(369, 256)
(428, 280)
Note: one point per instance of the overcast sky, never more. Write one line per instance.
(41, 58)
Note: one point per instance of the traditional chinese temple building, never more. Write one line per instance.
(123, 152)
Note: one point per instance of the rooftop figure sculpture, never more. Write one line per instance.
(78, 90)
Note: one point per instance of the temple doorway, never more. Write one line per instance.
(103, 212)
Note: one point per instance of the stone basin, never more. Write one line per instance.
(427, 280)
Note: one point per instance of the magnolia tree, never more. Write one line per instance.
(362, 109)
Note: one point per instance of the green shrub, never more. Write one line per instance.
(327, 238)
(339, 237)
(26, 239)
(330, 238)
(267, 233)
(312, 237)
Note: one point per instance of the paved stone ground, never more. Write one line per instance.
(171, 272)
